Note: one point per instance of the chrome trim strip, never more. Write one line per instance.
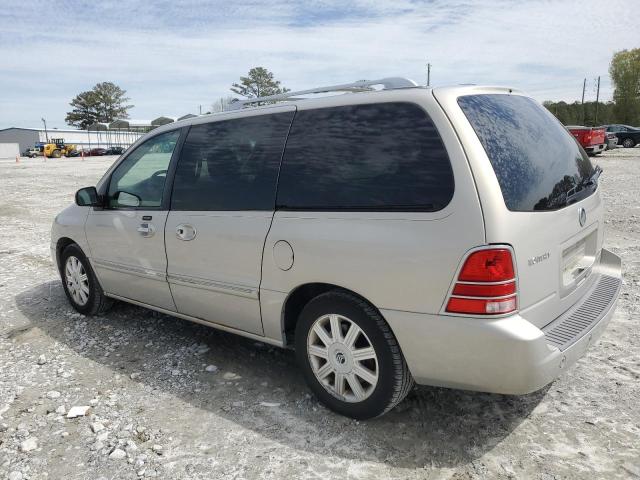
(214, 285)
(503, 282)
(139, 271)
(485, 298)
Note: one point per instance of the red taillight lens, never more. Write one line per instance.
(493, 265)
(486, 284)
(474, 290)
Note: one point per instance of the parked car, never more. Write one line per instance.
(612, 141)
(628, 136)
(74, 153)
(32, 152)
(592, 139)
(390, 236)
(114, 151)
(94, 152)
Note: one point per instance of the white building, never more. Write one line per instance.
(29, 137)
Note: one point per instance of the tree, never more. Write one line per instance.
(572, 113)
(259, 83)
(624, 71)
(105, 102)
(222, 104)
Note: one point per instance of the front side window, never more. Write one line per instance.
(386, 156)
(139, 180)
(231, 164)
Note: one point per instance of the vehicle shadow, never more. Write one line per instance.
(431, 427)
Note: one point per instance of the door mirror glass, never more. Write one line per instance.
(87, 197)
(125, 199)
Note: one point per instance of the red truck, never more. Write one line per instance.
(592, 139)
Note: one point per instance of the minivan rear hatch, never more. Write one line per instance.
(538, 191)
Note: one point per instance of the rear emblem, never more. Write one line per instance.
(582, 217)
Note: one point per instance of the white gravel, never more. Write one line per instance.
(156, 408)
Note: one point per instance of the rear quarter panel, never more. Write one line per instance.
(397, 261)
(531, 234)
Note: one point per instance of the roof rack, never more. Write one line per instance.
(359, 86)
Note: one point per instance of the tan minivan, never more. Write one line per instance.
(447, 236)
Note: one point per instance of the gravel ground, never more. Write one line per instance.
(172, 399)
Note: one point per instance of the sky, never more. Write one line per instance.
(174, 56)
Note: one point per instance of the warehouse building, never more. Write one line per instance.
(86, 139)
(120, 133)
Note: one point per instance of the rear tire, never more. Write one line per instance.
(628, 143)
(56, 154)
(349, 356)
(80, 283)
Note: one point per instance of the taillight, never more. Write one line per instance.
(486, 284)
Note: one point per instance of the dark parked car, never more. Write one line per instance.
(114, 151)
(628, 136)
(96, 152)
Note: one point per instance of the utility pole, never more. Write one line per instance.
(595, 121)
(200, 108)
(428, 74)
(584, 86)
(46, 134)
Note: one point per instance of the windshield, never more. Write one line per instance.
(538, 163)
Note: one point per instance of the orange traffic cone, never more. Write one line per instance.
(82, 155)
(17, 158)
(44, 155)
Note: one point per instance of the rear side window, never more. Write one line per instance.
(538, 163)
(386, 156)
(231, 164)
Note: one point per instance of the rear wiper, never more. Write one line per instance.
(591, 179)
(585, 182)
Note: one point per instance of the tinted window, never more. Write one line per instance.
(538, 163)
(144, 172)
(367, 157)
(231, 165)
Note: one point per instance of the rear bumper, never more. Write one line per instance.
(507, 355)
(596, 148)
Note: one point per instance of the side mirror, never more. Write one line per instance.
(126, 199)
(87, 197)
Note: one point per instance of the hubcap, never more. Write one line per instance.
(77, 281)
(342, 358)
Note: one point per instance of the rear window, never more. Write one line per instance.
(386, 156)
(538, 163)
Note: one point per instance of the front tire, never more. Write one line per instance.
(80, 283)
(349, 356)
(628, 143)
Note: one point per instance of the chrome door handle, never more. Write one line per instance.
(185, 232)
(146, 230)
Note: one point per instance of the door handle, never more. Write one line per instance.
(146, 230)
(185, 232)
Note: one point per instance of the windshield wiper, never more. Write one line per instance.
(592, 179)
(584, 183)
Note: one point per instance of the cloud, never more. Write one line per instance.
(173, 56)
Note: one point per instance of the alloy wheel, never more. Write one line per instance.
(77, 280)
(342, 358)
